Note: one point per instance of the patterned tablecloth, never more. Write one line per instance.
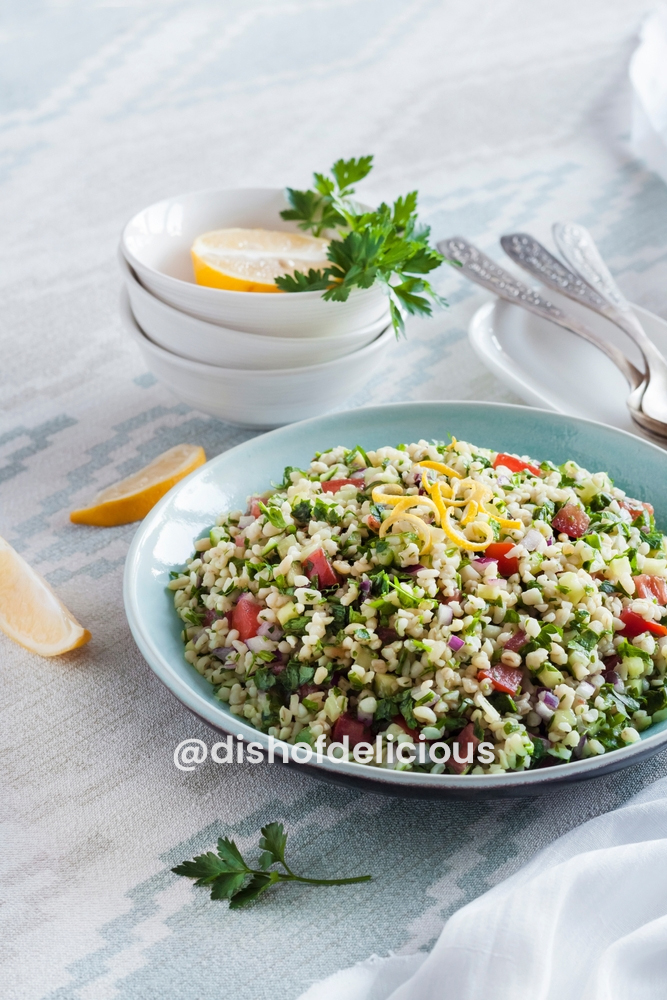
(506, 115)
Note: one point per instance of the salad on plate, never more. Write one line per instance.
(435, 593)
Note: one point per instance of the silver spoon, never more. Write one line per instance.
(529, 253)
(484, 271)
(579, 250)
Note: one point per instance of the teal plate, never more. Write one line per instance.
(165, 538)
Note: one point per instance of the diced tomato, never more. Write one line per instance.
(317, 564)
(571, 520)
(398, 720)
(245, 617)
(498, 550)
(514, 464)
(651, 586)
(333, 485)
(254, 508)
(373, 523)
(504, 678)
(516, 642)
(636, 507)
(634, 625)
(464, 739)
(356, 731)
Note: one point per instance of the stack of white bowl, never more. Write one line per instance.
(252, 358)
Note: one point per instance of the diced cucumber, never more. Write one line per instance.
(385, 685)
(635, 666)
(572, 587)
(550, 676)
(286, 612)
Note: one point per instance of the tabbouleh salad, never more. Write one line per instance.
(435, 592)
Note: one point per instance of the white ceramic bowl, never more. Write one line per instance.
(260, 398)
(156, 243)
(217, 345)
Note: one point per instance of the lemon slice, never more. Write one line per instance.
(132, 498)
(249, 260)
(30, 613)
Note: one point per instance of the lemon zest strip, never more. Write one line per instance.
(464, 543)
(441, 467)
(388, 498)
(422, 528)
(502, 521)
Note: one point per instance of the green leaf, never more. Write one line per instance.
(584, 642)
(231, 855)
(295, 675)
(256, 886)
(192, 616)
(302, 511)
(314, 281)
(404, 209)
(348, 172)
(296, 626)
(406, 709)
(204, 868)
(273, 841)
(626, 648)
(652, 538)
(274, 515)
(264, 679)
(225, 886)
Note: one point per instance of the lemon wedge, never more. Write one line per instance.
(30, 613)
(248, 260)
(132, 498)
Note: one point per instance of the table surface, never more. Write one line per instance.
(506, 116)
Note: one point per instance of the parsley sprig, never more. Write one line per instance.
(386, 246)
(230, 877)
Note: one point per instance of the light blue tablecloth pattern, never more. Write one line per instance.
(505, 115)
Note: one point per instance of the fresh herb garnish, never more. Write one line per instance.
(230, 877)
(387, 245)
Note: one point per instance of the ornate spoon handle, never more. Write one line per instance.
(529, 254)
(579, 250)
(483, 271)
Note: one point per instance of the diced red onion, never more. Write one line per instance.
(585, 690)
(416, 568)
(503, 480)
(482, 561)
(578, 750)
(532, 540)
(365, 717)
(270, 631)
(455, 643)
(365, 586)
(358, 474)
(223, 652)
(611, 677)
(258, 643)
(550, 540)
(445, 614)
(550, 699)
(544, 711)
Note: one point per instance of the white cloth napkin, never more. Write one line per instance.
(586, 918)
(648, 77)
